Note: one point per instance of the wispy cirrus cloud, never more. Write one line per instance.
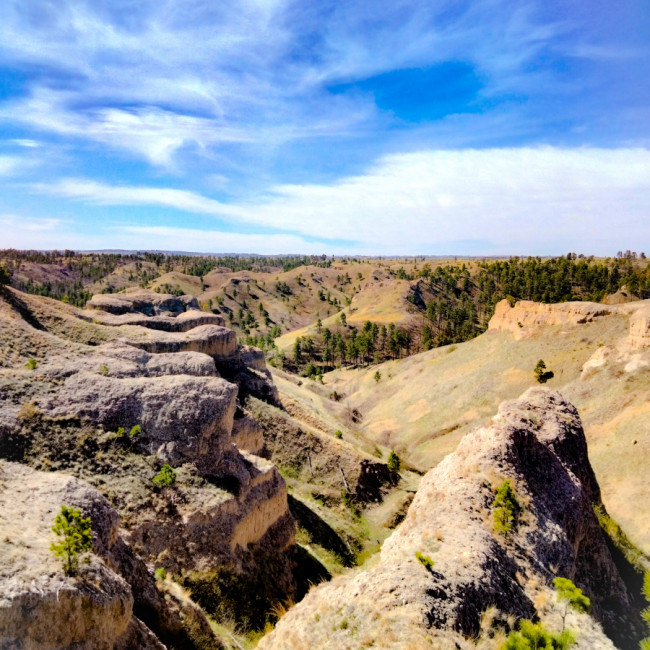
(401, 124)
(257, 74)
(101, 194)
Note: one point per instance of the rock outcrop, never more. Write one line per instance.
(445, 565)
(142, 301)
(40, 606)
(525, 317)
(227, 509)
(640, 328)
(182, 322)
(183, 418)
(213, 340)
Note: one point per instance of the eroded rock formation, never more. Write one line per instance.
(105, 605)
(113, 414)
(524, 317)
(535, 442)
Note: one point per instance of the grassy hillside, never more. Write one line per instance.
(422, 405)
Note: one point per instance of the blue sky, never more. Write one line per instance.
(386, 127)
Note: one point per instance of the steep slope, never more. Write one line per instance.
(465, 566)
(112, 601)
(423, 405)
(114, 413)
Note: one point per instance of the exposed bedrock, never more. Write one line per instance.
(526, 317)
(142, 301)
(535, 442)
(183, 418)
(110, 603)
(170, 322)
(216, 341)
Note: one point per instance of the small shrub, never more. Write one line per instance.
(505, 509)
(377, 377)
(394, 462)
(120, 433)
(535, 635)
(160, 574)
(5, 278)
(31, 364)
(135, 431)
(76, 536)
(103, 370)
(571, 596)
(541, 374)
(424, 560)
(165, 477)
(339, 434)
(28, 411)
(335, 396)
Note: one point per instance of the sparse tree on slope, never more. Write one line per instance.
(75, 534)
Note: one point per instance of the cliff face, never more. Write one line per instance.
(76, 412)
(535, 442)
(526, 316)
(41, 607)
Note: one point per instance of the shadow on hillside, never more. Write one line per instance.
(21, 307)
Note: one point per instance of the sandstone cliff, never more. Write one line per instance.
(525, 317)
(535, 442)
(154, 392)
(106, 604)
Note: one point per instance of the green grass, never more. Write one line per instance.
(634, 555)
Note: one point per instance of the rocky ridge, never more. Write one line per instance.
(535, 442)
(112, 602)
(76, 411)
(524, 317)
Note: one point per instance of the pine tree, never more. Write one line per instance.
(571, 596)
(76, 537)
(505, 509)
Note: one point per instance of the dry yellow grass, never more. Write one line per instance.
(424, 404)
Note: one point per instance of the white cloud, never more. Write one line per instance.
(26, 142)
(46, 234)
(527, 200)
(188, 239)
(196, 74)
(9, 165)
(100, 194)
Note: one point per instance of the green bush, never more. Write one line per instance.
(339, 434)
(571, 596)
(76, 536)
(135, 431)
(165, 477)
(534, 636)
(424, 560)
(505, 509)
(160, 574)
(31, 364)
(645, 644)
(394, 462)
(541, 374)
